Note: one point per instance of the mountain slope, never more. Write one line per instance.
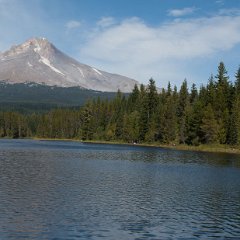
(39, 61)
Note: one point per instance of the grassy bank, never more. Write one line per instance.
(202, 148)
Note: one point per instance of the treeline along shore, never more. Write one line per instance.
(188, 116)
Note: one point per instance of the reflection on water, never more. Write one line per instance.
(69, 190)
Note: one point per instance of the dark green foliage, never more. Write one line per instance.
(237, 82)
(194, 93)
(183, 102)
(194, 119)
(183, 99)
(205, 116)
(131, 127)
(209, 126)
(32, 97)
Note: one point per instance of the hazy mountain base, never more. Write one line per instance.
(32, 97)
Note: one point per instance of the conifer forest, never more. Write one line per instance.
(188, 115)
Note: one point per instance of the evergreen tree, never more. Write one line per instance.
(209, 126)
(169, 89)
(86, 130)
(131, 127)
(194, 93)
(133, 99)
(223, 102)
(232, 134)
(183, 101)
(170, 121)
(211, 92)
(237, 82)
(194, 117)
(223, 89)
(236, 119)
(152, 97)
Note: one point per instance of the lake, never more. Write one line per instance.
(73, 190)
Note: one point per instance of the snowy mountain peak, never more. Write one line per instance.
(38, 60)
(36, 43)
(39, 45)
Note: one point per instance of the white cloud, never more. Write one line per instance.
(73, 24)
(135, 49)
(105, 22)
(181, 12)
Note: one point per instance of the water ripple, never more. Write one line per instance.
(62, 190)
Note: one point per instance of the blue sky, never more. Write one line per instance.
(168, 40)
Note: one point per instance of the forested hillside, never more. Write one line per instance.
(192, 116)
(32, 97)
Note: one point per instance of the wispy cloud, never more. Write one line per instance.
(106, 22)
(230, 11)
(181, 12)
(219, 2)
(73, 24)
(138, 50)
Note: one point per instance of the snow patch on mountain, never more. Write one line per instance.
(94, 69)
(47, 62)
(37, 48)
(80, 70)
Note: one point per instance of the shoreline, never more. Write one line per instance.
(214, 148)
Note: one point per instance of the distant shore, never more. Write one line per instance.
(217, 148)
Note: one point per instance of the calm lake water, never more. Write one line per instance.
(70, 190)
